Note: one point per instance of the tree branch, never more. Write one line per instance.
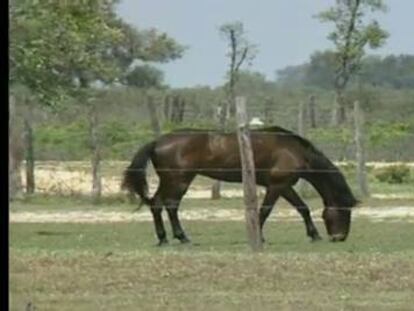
(242, 58)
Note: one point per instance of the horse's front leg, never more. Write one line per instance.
(293, 198)
(271, 196)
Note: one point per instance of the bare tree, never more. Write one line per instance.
(240, 52)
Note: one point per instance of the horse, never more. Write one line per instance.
(281, 158)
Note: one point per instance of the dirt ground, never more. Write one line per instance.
(393, 213)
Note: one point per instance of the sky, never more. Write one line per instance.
(285, 32)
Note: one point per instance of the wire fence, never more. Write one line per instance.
(123, 129)
(75, 179)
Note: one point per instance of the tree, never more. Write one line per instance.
(392, 71)
(292, 76)
(240, 52)
(53, 42)
(144, 76)
(58, 49)
(395, 71)
(321, 69)
(135, 45)
(350, 37)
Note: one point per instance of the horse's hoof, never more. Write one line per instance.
(162, 243)
(316, 238)
(185, 240)
(182, 238)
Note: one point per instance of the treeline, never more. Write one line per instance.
(125, 120)
(392, 71)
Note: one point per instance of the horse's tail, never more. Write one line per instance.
(135, 179)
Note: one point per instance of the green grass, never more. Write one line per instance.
(117, 267)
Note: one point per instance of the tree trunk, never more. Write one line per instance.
(155, 124)
(96, 153)
(312, 111)
(360, 149)
(249, 177)
(339, 109)
(15, 152)
(232, 102)
(29, 154)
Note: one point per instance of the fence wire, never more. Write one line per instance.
(123, 129)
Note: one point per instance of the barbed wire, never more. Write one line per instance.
(85, 165)
(235, 170)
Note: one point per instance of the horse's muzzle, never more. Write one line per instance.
(338, 237)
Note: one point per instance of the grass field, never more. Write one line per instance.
(117, 267)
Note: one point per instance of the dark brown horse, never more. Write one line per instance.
(281, 158)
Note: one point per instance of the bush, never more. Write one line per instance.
(395, 174)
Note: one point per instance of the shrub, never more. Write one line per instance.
(395, 174)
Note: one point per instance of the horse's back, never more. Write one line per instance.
(216, 155)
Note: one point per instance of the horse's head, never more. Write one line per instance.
(337, 222)
(338, 200)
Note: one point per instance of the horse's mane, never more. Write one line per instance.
(323, 167)
(277, 129)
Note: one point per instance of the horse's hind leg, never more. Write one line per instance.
(271, 196)
(293, 198)
(172, 196)
(156, 210)
(178, 231)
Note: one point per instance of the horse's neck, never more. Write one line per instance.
(321, 186)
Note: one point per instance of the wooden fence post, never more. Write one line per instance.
(360, 149)
(312, 111)
(301, 119)
(216, 187)
(28, 141)
(96, 152)
(248, 175)
(16, 151)
(155, 123)
(301, 185)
